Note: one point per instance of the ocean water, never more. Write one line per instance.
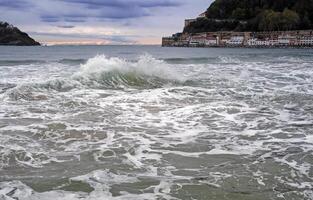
(145, 122)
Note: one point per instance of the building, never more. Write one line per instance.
(202, 15)
(235, 41)
(306, 41)
(257, 42)
(211, 41)
(198, 39)
(284, 40)
(167, 41)
(189, 21)
(295, 38)
(242, 39)
(273, 42)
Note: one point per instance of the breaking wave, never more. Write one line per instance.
(147, 72)
(102, 72)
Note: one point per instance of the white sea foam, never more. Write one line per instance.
(141, 130)
(104, 73)
(146, 65)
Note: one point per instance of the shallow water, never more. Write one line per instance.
(145, 122)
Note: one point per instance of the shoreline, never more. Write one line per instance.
(230, 39)
(243, 47)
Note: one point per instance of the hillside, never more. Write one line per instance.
(255, 15)
(10, 35)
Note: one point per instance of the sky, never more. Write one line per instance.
(100, 21)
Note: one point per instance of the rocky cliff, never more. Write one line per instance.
(10, 35)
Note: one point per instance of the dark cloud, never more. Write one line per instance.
(99, 10)
(75, 17)
(102, 16)
(125, 3)
(164, 3)
(119, 14)
(49, 18)
(66, 26)
(75, 20)
(112, 10)
(101, 13)
(15, 4)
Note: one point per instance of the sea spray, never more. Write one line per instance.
(118, 73)
(102, 72)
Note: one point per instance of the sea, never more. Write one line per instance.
(146, 122)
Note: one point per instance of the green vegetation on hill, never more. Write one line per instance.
(255, 15)
(10, 35)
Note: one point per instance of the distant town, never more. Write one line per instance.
(295, 38)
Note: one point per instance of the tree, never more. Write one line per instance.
(257, 15)
(239, 14)
(270, 21)
(290, 19)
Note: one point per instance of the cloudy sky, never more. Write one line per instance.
(100, 21)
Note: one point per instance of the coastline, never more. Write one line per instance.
(222, 39)
(242, 47)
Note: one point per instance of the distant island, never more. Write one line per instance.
(12, 36)
(249, 23)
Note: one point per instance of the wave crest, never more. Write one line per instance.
(102, 72)
(148, 72)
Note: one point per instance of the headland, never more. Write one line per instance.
(248, 23)
(12, 36)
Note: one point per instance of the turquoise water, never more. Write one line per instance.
(145, 122)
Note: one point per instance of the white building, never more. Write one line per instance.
(256, 42)
(211, 41)
(308, 40)
(199, 39)
(235, 40)
(286, 40)
(273, 42)
(194, 41)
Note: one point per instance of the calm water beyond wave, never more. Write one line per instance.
(145, 122)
